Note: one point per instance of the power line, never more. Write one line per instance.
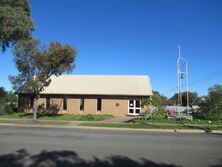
(207, 78)
(214, 75)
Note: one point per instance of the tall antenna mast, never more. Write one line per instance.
(182, 71)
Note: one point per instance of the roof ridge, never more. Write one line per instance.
(143, 75)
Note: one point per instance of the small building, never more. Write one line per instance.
(117, 95)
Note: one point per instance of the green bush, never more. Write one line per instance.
(10, 108)
(8, 102)
(2, 106)
(7, 108)
(161, 111)
(212, 105)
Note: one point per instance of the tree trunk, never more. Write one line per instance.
(35, 109)
(34, 115)
(152, 114)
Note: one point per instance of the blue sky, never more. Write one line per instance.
(134, 37)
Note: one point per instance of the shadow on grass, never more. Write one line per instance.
(22, 158)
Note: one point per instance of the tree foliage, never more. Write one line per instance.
(8, 101)
(212, 105)
(164, 100)
(193, 99)
(153, 104)
(36, 64)
(15, 22)
(155, 100)
(3, 92)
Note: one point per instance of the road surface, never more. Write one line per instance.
(50, 147)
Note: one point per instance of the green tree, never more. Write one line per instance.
(36, 64)
(3, 92)
(193, 99)
(156, 99)
(8, 101)
(212, 105)
(147, 102)
(172, 101)
(15, 22)
(153, 103)
(164, 100)
(11, 97)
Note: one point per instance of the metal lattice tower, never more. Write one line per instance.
(182, 73)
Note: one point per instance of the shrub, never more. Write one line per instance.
(2, 106)
(8, 102)
(7, 108)
(90, 117)
(212, 105)
(10, 108)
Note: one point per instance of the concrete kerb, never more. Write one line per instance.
(116, 129)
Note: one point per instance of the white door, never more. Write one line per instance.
(134, 107)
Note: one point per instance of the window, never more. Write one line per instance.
(64, 103)
(99, 104)
(137, 103)
(131, 103)
(137, 111)
(131, 111)
(81, 104)
(47, 103)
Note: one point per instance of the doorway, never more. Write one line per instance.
(134, 107)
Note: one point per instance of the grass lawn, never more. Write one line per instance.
(160, 122)
(62, 117)
(160, 118)
(152, 126)
(30, 122)
(127, 125)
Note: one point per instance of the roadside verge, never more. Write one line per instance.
(80, 125)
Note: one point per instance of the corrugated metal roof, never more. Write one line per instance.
(131, 85)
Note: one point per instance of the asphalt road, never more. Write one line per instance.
(50, 147)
